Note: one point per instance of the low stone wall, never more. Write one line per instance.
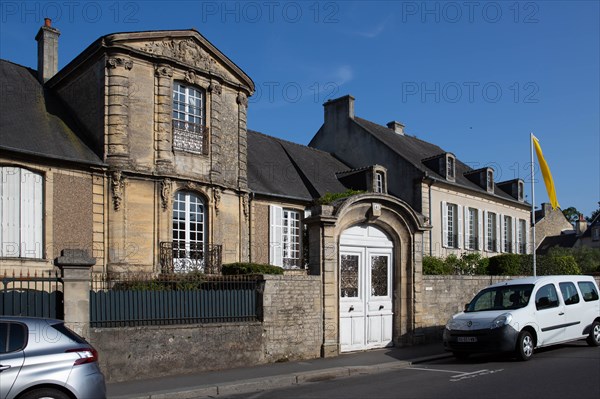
(444, 296)
(291, 330)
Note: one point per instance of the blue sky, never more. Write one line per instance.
(474, 77)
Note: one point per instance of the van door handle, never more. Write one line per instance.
(561, 313)
(2, 368)
(351, 308)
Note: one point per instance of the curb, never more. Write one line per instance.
(280, 381)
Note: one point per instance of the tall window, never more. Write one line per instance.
(284, 237)
(21, 213)
(472, 229)
(490, 181)
(507, 234)
(378, 182)
(189, 133)
(492, 228)
(449, 167)
(188, 231)
(520, 191)
(522, 236)
(451, 224)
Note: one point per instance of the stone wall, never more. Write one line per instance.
(291, 330)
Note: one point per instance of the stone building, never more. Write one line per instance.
(468, 210)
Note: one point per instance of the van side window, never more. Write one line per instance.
(569, 293)
(588, 290)
(546, 297)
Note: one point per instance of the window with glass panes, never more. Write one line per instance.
(473, 224)
(521, 236)
(378, 182)
(452, 210)
(188, 118)
(507, 234)
(188, 225)
(491, 231)
(290, 239)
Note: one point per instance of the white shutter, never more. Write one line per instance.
(31, 214)
(485, 231)
(9, 212)
(501, 232)
(480, 232)
(525, 236)
(275, 235)
(514, 235)
(444, 224)
(460, 226)
(498, 231)
(467, 228)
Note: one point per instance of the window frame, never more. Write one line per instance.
(472, 233)
(189, 200)
(491, 232)
(450, 167)
(187, 124)
(507, 234)
(285, 237)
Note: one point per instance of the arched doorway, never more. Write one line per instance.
(365, 273)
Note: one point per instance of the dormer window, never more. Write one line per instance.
(189, 120)
(450, 167)
(490, 180)
(379, 182)
(520, 190)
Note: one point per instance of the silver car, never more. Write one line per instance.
(42, 358)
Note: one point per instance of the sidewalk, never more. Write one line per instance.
(276, 375)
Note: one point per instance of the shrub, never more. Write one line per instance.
(551, 264)
(435, 266)
(250, 268)
(588, 259)
(329, 198)
(474, 263)
(508, 265)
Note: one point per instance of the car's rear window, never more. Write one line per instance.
(588, 290)
(69, 333)
(13, 337)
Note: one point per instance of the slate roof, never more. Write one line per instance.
(289, 170)
(562, 241)
(416, 150)
(34, 122)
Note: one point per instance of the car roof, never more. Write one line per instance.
(543, 279)
(31, 320)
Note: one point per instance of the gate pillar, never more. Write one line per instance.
(75, 266)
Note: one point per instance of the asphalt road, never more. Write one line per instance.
(566, 371)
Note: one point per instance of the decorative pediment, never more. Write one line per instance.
(185, 50)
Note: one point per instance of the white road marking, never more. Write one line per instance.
(460, 376)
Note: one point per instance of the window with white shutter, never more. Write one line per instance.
(21, 213)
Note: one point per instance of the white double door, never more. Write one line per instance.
(366, 316)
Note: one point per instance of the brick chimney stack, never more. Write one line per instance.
(580, 225)
(47, 39)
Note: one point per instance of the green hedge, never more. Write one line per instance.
(250, 268)
(555, 262)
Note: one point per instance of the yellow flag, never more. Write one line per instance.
(545, 173)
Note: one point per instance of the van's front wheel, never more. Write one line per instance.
(525, 346)
(594, 338)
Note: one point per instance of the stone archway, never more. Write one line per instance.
(404, 229)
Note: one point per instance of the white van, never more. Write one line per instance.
(523, 314)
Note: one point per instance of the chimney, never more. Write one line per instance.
(339, 110)
(396, 126)
(580, 225)
(546, 209)
(47, 39)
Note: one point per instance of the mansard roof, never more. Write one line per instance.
(415, 151)
(284, 169)
(34, 122)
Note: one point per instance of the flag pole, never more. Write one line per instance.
(532, 205)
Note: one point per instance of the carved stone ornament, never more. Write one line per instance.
(118, 184)
(119, 62)
(215, 88)
(242, 99)
(165, 192)
(186, 50)
(217, 198)
(192, 186)
(164, 70)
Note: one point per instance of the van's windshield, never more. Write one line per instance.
(504, 297)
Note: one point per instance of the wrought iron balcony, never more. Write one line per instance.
(190, 137)
(181, 257)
